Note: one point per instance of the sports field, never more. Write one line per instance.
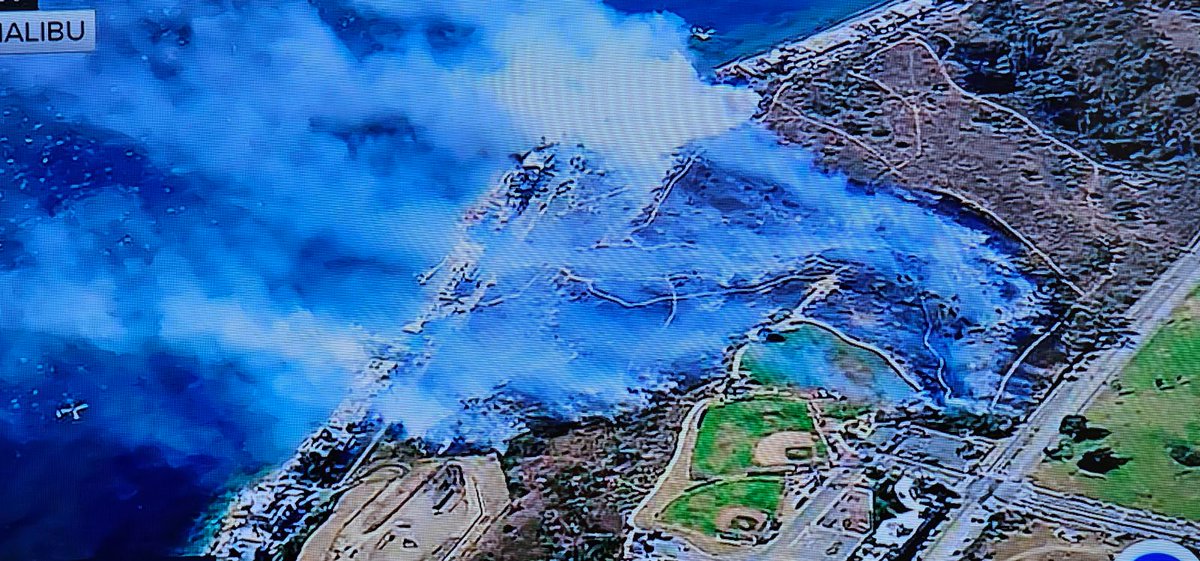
(729, 432)
(1153, 411)
(700, 508)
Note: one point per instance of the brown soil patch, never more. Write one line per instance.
(429, 513)
(1040, 544)
(772, 451)
(741, 520)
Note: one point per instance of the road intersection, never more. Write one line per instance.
(1023, 452)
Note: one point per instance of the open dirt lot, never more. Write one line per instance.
(1039, 543)
(431, 511)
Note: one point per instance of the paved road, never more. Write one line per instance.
(787, 546)
(1024, 451)
(1053, 505)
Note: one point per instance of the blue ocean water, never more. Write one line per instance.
(108, 486)
(727, 15)
(746, 27)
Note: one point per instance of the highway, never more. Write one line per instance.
(1021, 456)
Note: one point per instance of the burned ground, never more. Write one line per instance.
(1067, 124)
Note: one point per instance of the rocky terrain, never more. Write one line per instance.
(1068, 124)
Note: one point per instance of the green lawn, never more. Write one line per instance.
(1160, 413)
(697, 509)
(729, 432)
(813, 357)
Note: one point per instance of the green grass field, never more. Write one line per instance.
(729, 432)
(813, 357)
(1163, 410)
(697, 509)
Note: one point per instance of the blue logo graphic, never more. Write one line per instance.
(1156, 550)
(1156, 557)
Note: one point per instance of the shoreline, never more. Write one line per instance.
(753, 37)
(798, 38)
(846, 32)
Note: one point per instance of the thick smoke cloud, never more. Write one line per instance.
(208, 222)
(320, 179)
(586, 340)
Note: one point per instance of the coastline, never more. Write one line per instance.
(749, 38)
(803, 35)
(266, 514)
(863, 25)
